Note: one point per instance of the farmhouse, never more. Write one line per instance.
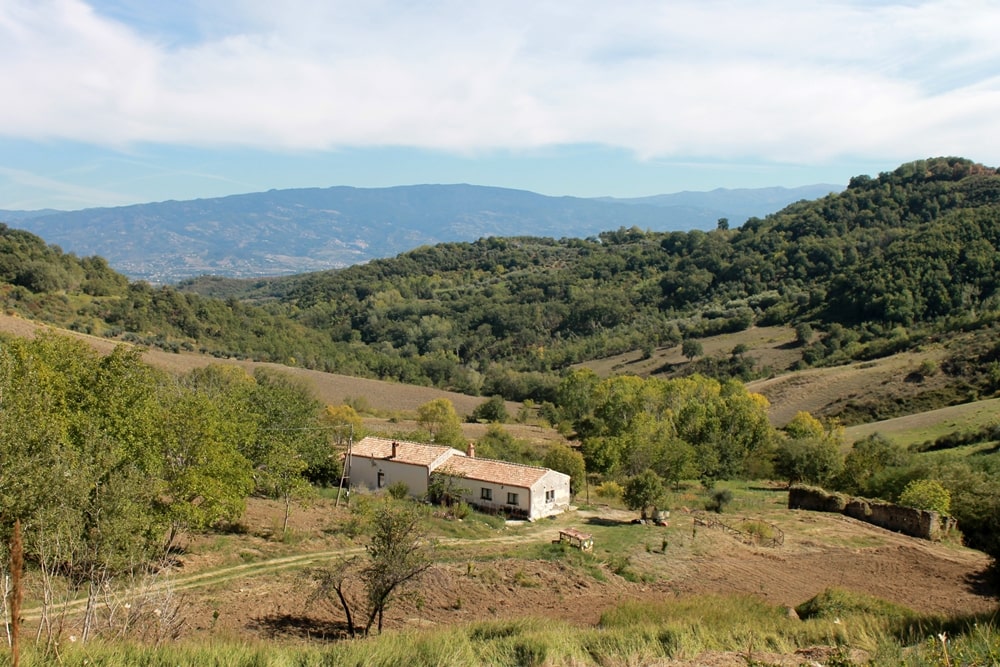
(526, 491)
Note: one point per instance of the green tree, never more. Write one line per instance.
(677, 462)
(205, 477)
(643, 491)
(868, 458)
(439, 418)
(803, 334)
(691, 348)
(397, 554)
(926, 494)
(569, 461)
(290, 438)
(812, 460)
(492, 410)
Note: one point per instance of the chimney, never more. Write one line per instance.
(471, 450)
(395, 448)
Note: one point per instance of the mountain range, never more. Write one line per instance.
(283, 232)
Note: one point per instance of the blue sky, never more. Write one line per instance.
(123, 101)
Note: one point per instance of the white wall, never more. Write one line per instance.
(472, 493)
(556, 482)
(364, 472)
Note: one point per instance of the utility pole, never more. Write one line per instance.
(345, 471)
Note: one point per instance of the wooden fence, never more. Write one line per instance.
(775, 540)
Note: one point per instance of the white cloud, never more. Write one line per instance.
(778, 80)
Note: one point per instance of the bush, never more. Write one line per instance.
(718, 500)
(610, 490)
(926, 494)
(460, 510)
(838, 603)
(494, 410)
(398, 490)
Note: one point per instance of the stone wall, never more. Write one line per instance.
(907, 520)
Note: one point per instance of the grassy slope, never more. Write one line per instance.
(932, 424)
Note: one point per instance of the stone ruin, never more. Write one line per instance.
(907, 520)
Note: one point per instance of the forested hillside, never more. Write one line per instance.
(881, 267)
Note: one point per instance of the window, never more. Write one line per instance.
(381, 479)
(511, 498)
(486, 494)
(550, 496)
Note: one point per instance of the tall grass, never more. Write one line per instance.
(632, 633)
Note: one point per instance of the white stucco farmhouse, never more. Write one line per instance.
(528, 491)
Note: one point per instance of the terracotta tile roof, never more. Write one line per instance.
(415, 453)
(488, 470)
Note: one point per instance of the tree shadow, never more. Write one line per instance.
(296, 626)
(985, 582)
(602, 521)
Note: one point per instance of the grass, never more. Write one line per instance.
(924, 426)
(632, 633)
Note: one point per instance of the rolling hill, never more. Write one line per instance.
(284, 232)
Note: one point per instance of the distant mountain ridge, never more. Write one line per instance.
(282, 232)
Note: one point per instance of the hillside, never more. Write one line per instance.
(293, 231)
(898, 262)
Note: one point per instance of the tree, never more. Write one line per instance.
(926, 494)
(869, 457)
(643, 491)
(397, 554)
(677, 462)
(439, 418)
(803, 334)
(344, 423)
(691, 348)
(569, 461)
(493, 410)
(813, 460)
(205, 477)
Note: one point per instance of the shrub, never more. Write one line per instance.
(838, 603)
(718, 500)
(460, 510)
(926, 494)
(760, 530)
(610, 490)
(398, 490)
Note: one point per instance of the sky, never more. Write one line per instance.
(113, 102)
